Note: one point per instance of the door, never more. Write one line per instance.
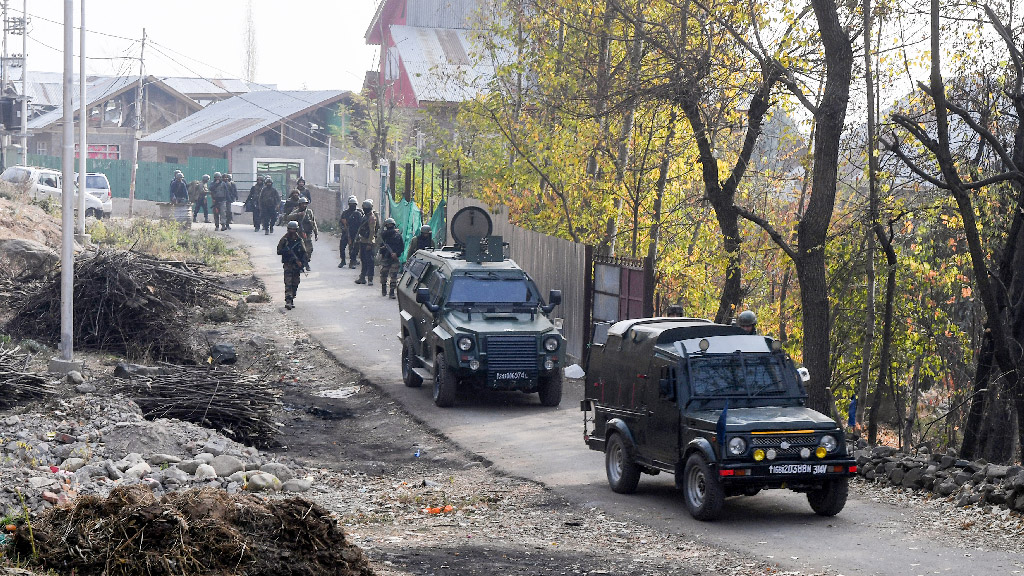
(663, 413)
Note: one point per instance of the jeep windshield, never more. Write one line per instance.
(495, 292)
(757, 378)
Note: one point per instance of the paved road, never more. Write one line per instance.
(521, 437)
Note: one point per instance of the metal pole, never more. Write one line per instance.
(83, 123)
(329, 138)
(24, 84)
(67, 261)
(138, 130)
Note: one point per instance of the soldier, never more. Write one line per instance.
(197, 196)
(747, 320)
(675, 311)
(218, 193)
(424, 241)
(366, 236)
(293, 255)
(300, 185)
(349, 225)
(290, 204)
(270, 201)
(231, 197)
(391, 247)
(252, 202)
(179, 191)
(307, 226)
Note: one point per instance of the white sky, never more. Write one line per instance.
(301, 44)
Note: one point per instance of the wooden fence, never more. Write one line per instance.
(553, 263)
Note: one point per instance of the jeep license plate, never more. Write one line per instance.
(797, 469)
(511, 376)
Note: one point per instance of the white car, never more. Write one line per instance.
(98, 186)
(45, 183)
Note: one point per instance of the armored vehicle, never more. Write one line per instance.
(473, 318)
(719, 408)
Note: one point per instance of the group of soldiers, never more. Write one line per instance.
(221, 191)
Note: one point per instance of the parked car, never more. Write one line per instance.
(472, 318)
(720, 409)
(46, 184)
(98, 186)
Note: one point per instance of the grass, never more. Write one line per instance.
(168, 240)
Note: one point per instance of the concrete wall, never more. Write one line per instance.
(314, 160)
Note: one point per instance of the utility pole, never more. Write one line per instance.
(83, 127)
(3, 84)
(67, 257)
(138, 128)
(24, 82)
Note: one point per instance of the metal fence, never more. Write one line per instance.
(553, 263)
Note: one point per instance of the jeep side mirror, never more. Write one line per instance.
(554, 299)
(666, 390)
(423, 297)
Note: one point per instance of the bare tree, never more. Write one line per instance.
(250, 59)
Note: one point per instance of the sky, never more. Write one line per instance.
(301, 44)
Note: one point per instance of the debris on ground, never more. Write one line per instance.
(202, 531)
(125, 303)
(238, 405)
(17, 383)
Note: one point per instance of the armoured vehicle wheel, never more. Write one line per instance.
(701, 489)
(623, 473)
(550, 389)
(830, 499)
(445, 383)
(411, 379)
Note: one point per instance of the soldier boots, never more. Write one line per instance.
(383, 288)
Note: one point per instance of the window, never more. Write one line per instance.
(171, 159)
(41, 148)
(103, 151)
(283, 172)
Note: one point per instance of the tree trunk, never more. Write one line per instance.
(885, 350)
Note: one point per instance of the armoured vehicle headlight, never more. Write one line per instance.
(549, 364)
(737, 446)
(465, 343)
(551, 343)
(828, 442)
(474, 364)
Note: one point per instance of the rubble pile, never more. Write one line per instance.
(237, 404)
(965, 482)
(124, 302)
(203, 531)
(17, 383)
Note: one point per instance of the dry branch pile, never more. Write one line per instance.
(124, 302)
(16, 383)
(195, 532)
(239, 405)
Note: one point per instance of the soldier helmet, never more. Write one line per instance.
(227, 176)
(260, 178)
(217, 174)
(303, 200)
(178, 173)
(301, 180)
(746, 318)
(206, 177)
(367, 204)
(293, 225)
(352, 200)
(425, 229)
(390, 223)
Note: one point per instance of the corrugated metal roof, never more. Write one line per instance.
(442, 63)
(454, 14)
(96, 92)
(216, 86)
(228, 121)
(46, 89)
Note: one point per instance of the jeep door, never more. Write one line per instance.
(663, 412)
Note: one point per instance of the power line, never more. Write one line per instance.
(45, 45)
(45, 19)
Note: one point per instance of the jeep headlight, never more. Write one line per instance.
(551, 343)
(828, 442)
(737, 446)
(465, 343)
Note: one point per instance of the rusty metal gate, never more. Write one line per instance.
(618, 289)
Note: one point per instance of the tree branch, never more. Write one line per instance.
(768, 228)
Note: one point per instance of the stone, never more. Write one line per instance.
(1017, 481)
(27, 259)
(85, 388)
(127, 370)
(72, 464)
(967, 498)
(296, 485)
(138, 471)
(962, 477)
(90, 471)
(263, 482)
(188, 466)
(160, 459)
(282, 472)
(37, 482)
(204, 457)
(996, 496)
(12, 421)
(912, 478)
(223, 353)
(1018, 503)
(225, 465)
(75, 377)
(216, 446)
(896, 476)
(882, 451)
(946, 488)
(994, 471)
(50, 497)
(862, 456)
(947, 461)
(112, 472)
(174, 475)
(205, 472)
(951, 452)
(130, 459)
(239, 477)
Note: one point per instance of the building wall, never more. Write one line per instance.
(314, 160)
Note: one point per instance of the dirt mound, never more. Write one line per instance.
(204, 531)
(25, 221)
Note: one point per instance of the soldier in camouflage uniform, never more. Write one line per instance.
(219, 195)
(366, 237)
(307, 226)
(230, 196)
(349, 223)
(391, 247)
(197, 196)
(252, 202)
(293, 258)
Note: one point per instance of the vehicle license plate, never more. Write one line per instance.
(797, 469)
(511, 376)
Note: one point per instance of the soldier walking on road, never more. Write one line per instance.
(270, 201)
(293, 257)
(231, 196)
(307, 226)
(219, 194)
(349, 225)
(252, 202)
(197, 193)
(300, 185)
(366, 237)
(391, 247)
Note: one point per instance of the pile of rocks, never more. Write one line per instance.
(963, 481)
(91, 444)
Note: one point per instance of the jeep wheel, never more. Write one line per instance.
(701, 489)
(445, 383)
(411, 379)
(623, 473)
(830, 499)
(550, 389)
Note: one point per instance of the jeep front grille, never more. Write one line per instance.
(511, 353)
(793, 442)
